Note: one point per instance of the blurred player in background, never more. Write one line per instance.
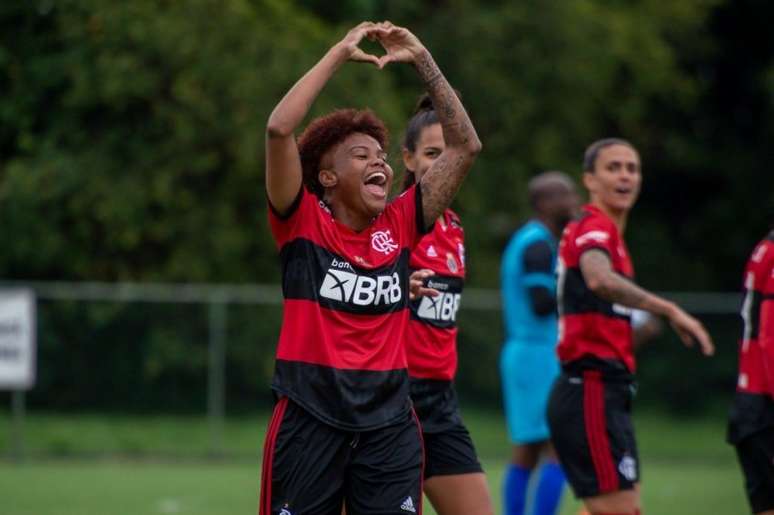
(589, 410)
(343, 430)
(454, 480)
(751, 420)
(528, 363)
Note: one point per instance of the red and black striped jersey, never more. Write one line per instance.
(431, 339)
(589, 326)
(756, 346)
(753, 407)
(341, 352)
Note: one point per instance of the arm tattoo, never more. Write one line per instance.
(436, 195)
(596, 265)
(428, 70)
(443, 179)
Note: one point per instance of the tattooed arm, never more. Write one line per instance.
(443, 179)
(601, 279)
(604, 282)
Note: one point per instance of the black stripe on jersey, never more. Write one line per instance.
(421, 229)
(313, 273)
(334, 396)
(768, 296)
(755, 298)
(293, 206)
(440, 311)
(578, 299)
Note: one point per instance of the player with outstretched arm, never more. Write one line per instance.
(589, 410)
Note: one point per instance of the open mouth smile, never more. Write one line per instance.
(376, 184)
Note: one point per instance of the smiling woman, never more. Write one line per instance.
(589, 410)
(344, 164)
(337, 152)
(343, 431)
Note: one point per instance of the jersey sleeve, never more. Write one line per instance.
(405, 213)
(595, 233)
(284, 227)
(538, 265)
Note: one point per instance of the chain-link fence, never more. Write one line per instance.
(190, 349)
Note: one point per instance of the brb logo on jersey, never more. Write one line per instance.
(382, 242)
(341, 283)
(442, 308)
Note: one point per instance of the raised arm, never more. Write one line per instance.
(601, 279)
(283, 164)
(441, 182)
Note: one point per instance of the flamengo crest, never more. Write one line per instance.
(382, 242)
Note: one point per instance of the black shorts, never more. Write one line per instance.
(449, 449)
(756, 456)
(591, 429)
(750, 413)
(310, 468)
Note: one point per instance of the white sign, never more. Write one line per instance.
(17, 339)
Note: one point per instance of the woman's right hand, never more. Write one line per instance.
(351, 43)
(691, 330)
(417, 286)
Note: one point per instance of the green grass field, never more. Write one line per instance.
(93, 465)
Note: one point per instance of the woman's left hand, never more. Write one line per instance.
(399, 43)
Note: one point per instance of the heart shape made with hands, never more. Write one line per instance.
(399, 44)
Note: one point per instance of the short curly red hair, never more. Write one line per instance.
(327, 131)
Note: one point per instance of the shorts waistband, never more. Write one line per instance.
(607, 376)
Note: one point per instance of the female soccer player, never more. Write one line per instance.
(454, 480)
(751, 420)
(589, 407)
(343, 427)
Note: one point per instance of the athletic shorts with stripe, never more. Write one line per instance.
(591, 429)
(756, 456)
(310, 468)
(449, 449)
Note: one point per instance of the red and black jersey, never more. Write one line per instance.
(589, 326)
(753, 407)
(431, 341)
(341, 353)
(756, 346)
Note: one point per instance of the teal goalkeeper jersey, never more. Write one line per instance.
(518, 274)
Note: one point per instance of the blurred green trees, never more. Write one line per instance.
(131, 133)
(133, 142)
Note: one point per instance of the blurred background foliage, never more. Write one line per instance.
(131, 146)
